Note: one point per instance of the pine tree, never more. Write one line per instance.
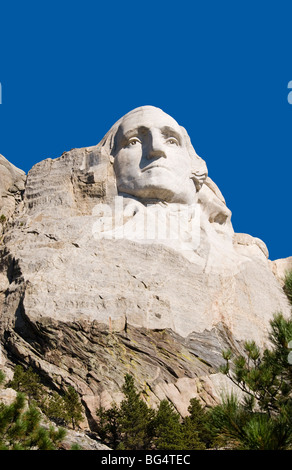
(2, 377)
(168, 428)
(73, 407)
(135, 418)
(264, 418)
(288, 285)
(109, 426)
(191, 439)
(28, 382)
(20, 428)
(55, 409)
(135, 426)
(196, 427)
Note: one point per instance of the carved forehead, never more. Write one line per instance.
(147, 117)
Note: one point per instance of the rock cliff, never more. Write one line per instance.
(85, 298)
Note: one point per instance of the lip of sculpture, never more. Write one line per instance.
(154, 165)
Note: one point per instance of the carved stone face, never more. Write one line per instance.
(151, 158)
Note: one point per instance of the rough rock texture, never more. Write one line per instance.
(84, 309)
(11, 188)
(280, 267)
(82, 440)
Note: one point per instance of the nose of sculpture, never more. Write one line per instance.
(156, 147)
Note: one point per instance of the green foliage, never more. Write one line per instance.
(27, 382)
(288, 285)
(196, 427)
(20, 428)
(229, 421)
(73, 407)
(266, 376)
(76, 447)
(55, 410)
(243, 428)
(135, 418)
(135, 426)
(64, 410)
(168, 428)
(20, 422)
(2, 219)
(264, 418)
(128, 426)
(2, 377)
(109, 426)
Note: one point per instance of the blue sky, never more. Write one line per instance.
(69, 70)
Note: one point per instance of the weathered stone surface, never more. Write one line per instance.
(82, 440)
(85, 297)
(280, 267)
(12, 182)
(7, 396)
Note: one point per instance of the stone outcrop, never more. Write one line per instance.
(12, 182)
(84, 305)
(281, 267)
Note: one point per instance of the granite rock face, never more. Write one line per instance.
(86, 297)
(11, 188)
